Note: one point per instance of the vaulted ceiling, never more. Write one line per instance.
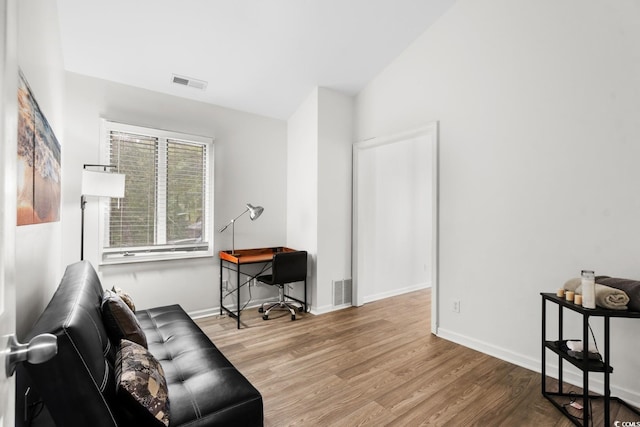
(259, 56)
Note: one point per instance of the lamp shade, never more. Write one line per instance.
(254, 211)
(103, 184)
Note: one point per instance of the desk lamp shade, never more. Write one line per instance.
(254, 211)
(102, 184)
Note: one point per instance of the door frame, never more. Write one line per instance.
(8, 190)
(430, 131)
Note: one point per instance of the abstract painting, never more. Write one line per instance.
(38, 166)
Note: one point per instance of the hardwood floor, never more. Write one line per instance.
(376, 365)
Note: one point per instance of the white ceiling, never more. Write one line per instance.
(259, 56)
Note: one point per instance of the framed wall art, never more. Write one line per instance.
(39, 186)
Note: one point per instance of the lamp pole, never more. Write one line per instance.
(83, 202)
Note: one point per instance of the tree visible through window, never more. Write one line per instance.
(185, 192)
(166, 207)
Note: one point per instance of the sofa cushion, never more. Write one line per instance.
(204, 387)
(120, 321)
(141, 384)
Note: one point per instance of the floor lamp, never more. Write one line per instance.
(100, 183)
(254, 213)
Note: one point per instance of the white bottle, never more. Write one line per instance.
(588, 289)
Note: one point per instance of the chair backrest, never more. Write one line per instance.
(289, 267)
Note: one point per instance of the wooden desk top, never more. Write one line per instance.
(248, 256)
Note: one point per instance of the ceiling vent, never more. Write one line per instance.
(188, 81)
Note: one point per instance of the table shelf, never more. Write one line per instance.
(590, 365)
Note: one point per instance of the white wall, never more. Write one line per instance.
(302, 185)
(335, 137)
(538, 104)
(250, 167)
(38, 259)
(319, 189)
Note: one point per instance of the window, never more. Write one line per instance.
(167, 207)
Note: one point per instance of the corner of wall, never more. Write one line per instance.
(38, 247)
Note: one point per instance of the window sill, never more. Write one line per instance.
(116, 259)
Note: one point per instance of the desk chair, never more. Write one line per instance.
(287, 267)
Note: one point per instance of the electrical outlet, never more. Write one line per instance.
(225, 285)
(455, 307)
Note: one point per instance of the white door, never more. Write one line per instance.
(8, 156)
(395, 214)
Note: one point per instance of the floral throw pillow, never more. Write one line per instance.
(141, 385)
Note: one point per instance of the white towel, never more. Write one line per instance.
(572, 284)
(577, 346)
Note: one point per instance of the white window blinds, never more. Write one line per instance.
(132, 219)
(167, 205)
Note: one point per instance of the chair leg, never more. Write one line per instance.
(281, 304)
(268, 306)
(284, 306)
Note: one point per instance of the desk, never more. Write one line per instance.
(235, 261)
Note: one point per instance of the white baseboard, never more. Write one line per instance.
(382, 295)
(396, 292)
(527, 362)
(570, 375)
(328, 308)
(199, 314)
(215, 311)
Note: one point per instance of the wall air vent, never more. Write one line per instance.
(342, 292)
(188, 81)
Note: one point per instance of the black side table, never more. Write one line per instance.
(584, 364)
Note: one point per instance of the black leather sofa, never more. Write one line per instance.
(78, 386)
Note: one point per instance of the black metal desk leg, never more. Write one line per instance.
(238, 295)
(221, 262)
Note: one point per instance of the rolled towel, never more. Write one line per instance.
(610, 298)
(630, 287)
(606, 296)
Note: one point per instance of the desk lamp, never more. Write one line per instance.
(101, 184)
(254, 213)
